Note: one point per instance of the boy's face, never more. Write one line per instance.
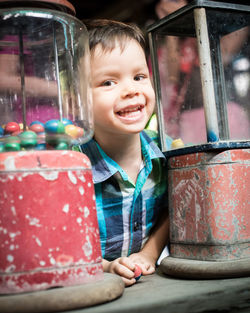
(123, 96)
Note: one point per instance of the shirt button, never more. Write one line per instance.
(136, 226)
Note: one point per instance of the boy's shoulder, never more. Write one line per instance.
(151, 135)
(154, 136)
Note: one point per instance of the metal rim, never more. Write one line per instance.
(194, 269)
(61, 5)
(65, 298)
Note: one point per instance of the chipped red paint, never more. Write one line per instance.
(49, 233)
(209, 202)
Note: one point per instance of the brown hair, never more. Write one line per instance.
(109, 32)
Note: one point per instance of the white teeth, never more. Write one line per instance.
(130, 110)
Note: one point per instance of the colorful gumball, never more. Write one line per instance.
(41, 136)
(80, 131)
(177, 143)
(40, 146)
(67, 121)
(36, 122)
(54, 127)
(37, 128)
(41, 141)
(12, 143)
(16, 133)
(1, 147)
(57, 141)
(72, 131)
(62, 146)
(21, 126)
(28, 139)
(11, 127)
(137, 272)
(1, 131)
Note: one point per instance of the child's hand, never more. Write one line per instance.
(122, 266)
(145, 261)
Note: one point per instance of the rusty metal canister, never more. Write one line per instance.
(49, 233)
(209, 203)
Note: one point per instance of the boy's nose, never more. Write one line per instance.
(129, 89)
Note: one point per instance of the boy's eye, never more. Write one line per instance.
(108, 83)
(139, 77)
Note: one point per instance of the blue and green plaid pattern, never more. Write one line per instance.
(126, 212)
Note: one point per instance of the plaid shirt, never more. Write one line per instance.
(126, 212)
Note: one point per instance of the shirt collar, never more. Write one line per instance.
(103, 167)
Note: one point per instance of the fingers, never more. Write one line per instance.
(129, 282)
(145, 262)
(125, 268)
(127, 262)
(123, 271)
(147, 269)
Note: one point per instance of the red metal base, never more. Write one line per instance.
(209, 205)
(49, 232)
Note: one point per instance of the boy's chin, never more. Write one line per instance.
(135, 129)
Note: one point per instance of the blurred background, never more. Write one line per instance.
(141, 12)
(178, 63)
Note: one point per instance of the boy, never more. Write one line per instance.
(128, 168)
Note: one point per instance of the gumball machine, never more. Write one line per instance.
(49, 234)
(200, 62)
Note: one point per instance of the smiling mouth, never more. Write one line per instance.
(130, 111)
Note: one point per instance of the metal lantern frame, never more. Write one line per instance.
(197, 19)
(208, 183)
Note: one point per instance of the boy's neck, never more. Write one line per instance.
(125, 151)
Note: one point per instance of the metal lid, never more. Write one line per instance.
(60, 5)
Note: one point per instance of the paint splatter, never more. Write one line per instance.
(66, 208)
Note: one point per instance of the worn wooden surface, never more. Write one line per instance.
(159, 293)
(65, 298)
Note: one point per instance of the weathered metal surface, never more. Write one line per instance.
(49, 233)
(67, 298)
(209, 203)
(200, 269)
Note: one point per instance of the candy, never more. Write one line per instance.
(54, 127)
(71, 130)
(40, 146)
(12, 144)
(1, 131)
(54, 134)
(28, 139)
(212, 136)
(67, 121)
(21, 126)
(11, 127)
(62, 146)
(55, 140)
(41, 136)
(177, 143)
(137, 272)
(16, 133)
(74, 131)
(80, 131)
(36, 122)
(37, 128)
